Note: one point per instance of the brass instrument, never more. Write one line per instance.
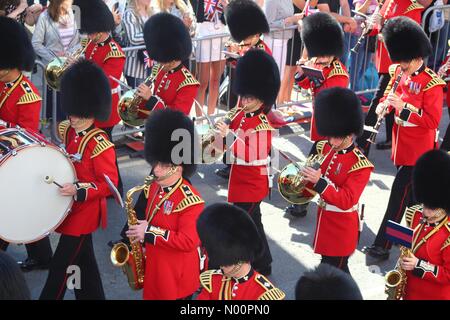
(291, 182)
(374, 129)
(368, 26)
(56, 67)
(396, 279)
(132, 262)
(444, 68)
(128, 107)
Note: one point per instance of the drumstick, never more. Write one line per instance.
(51, 180)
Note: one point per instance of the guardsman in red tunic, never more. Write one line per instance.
(428, 267)
(168, 210)
(20, 105)
(324, 42)
(257, 84)
(417, 107)
(444, 72)
(228, 235)
(168, 43)
(343, 174)
(85, 97)
(391, 9)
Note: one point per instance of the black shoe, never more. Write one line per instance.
(297, 210)
(266, 271)
(31, 264)
(224, 172)
(384, 145)
(377, 252)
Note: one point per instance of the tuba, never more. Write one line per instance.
(291, 182)
(128, 107)
(56, 67)
(132, 262)
(396, 279)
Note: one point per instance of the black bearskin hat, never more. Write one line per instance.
(245, 18)
(228, 234)
(322, 35)
(17, 51)
(327, 282)
(159, 147)
(167, 38)
(405, 40)
(257, 75)
(338, 113)
(85, 91)
(95, 16)
(431, 180)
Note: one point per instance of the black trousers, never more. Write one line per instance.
(74, 251)
(41, 250)
(401, 196)
(254, 210)
(446, 143)
(371, 117)
(338, 262)
(120, 183)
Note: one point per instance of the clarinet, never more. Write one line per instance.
(374, 129)
(368, 27)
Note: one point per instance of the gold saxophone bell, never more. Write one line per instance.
(55, 68)
(395, 280)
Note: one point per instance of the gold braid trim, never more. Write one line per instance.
(189, 79)
(206, 279)
(435, 80)
(410, 212)
(63, 128)
(102, 145)
(337, 70)
(272, 294)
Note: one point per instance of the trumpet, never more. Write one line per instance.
(128, 107)
(56, 67)
(368, 26)
(374, 130)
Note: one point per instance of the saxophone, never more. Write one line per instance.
(132, 262)
(396, 279)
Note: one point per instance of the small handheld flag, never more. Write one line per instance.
(399, 234)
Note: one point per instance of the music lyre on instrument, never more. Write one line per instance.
(374, 130)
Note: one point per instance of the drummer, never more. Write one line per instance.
(85, 97)
(20, 104)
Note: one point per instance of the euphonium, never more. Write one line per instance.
(128, 107)
(132, 262)
(396, 279)
(291, 182)
(56, 67)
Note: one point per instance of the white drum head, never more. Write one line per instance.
(31, 208)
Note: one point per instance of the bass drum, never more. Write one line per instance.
(31, 205)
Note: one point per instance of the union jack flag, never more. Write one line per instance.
(147, 61)
(213, 8)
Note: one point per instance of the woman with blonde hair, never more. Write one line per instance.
(134, 18)
(180, 9)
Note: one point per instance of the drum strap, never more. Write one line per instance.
(10, 91)
(87, 138)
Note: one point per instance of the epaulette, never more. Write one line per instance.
(320, 145)
(435, 80)
(271, 293)
(413, 6)
(392, 69)
(155, 70)
(338, 70)
(264, 125)
(446, 244)
(84, 42)
(410, 212)
(63, 128)
(206, 279)
(362, 163)
(190, 199)
(102, 145)
(233, 113)
(114, 52)
(189, 79)
(30, 96)
(85, 140)
(148, 182)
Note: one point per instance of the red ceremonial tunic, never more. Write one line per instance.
(172, 266)
(20, 103)
(175, 89)
(254, 286)
(415, 128)
(392, 9)
(335, 75)
(345, 174)
(249, 180)
(98, 157)
(430, 279)
(108, 55)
